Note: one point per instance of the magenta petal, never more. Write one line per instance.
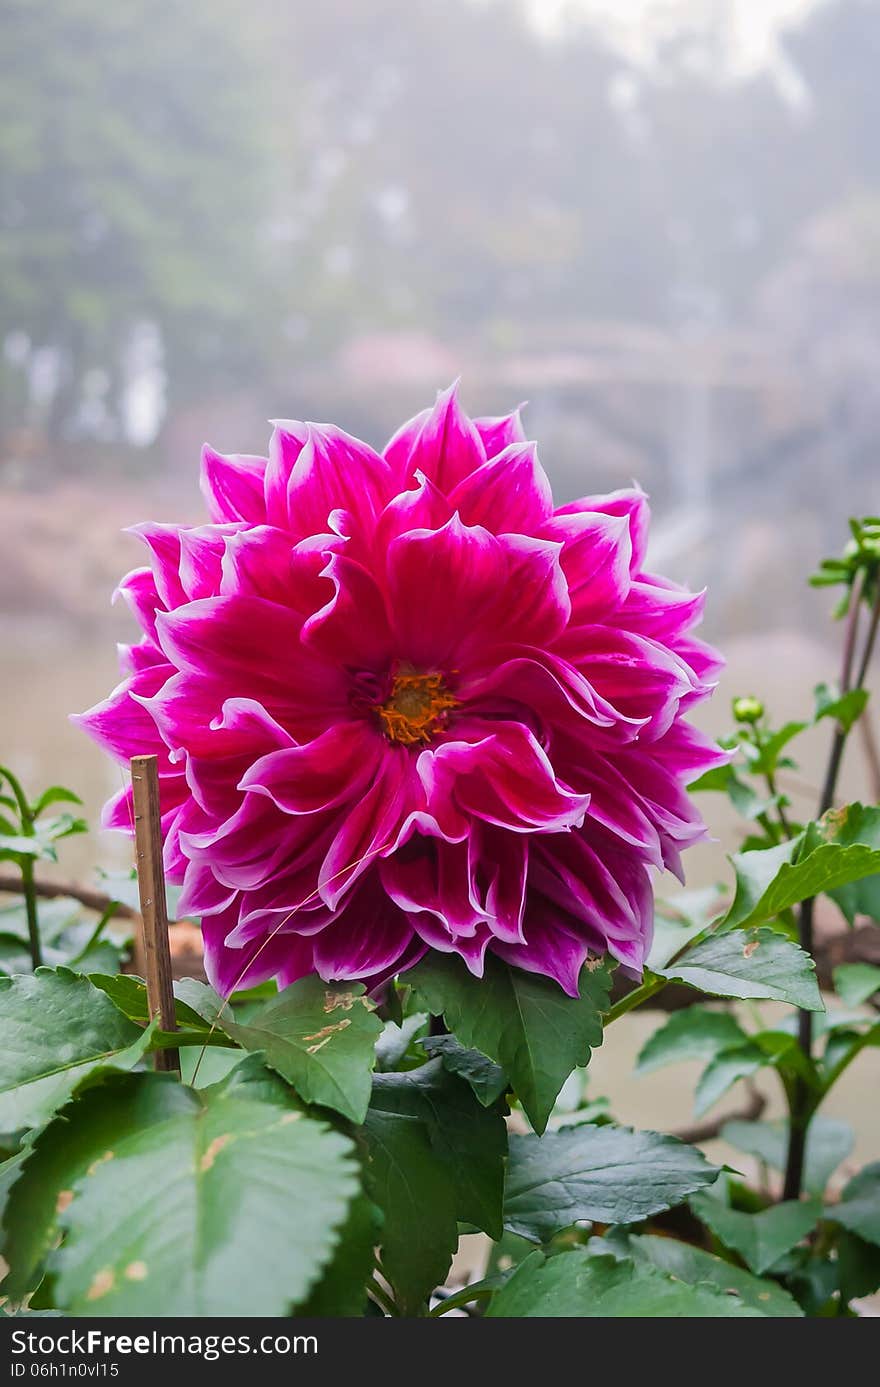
(233, 487)
(322, 470)
(352, 628)
(500, 431)
(595, 558)
(509, 493)
(138, 591)
(323, 774)
(372, 827)
(435, 876)
(631, 503)
(163, 541)
(371, 936)
(503, 777)
(442, 443)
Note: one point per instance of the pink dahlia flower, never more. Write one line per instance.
(402, 703)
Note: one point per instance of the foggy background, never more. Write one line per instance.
(657, 222)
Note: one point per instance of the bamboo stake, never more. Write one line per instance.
(154, 913)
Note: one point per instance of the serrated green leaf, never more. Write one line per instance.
(859, 1206)
(436, 1157)
(321, 1038)
(85, 1132)
(677, 921)
(129, 994)
(829, 1141)
(230, 1206)
(762, 1238)
(753, 963)
(55, 1027)
(855, 824)
(694, 1033)
(825, 857)
(856, 983)
(341, 1291)
(578, 1284)
(523, 1021)
(604, 1174)
(858, 1266)
(694, 1265)
(487, 1079)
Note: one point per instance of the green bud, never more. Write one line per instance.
(748, 709)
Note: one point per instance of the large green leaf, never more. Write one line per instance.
(829, 1141)
(762, 1238)
(129, 995)
(604, 1174)
(230, 1205)
(578, 1284)
(859, 1206)
(436, 1157)
(825, 857)
(755, 963)
(320, 1038)
(54, 1028)
(694, 1033)
(523, 1021)
(693, 1265)
(85, 1132)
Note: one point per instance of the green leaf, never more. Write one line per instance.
(341, 1291)
(858, 1265)
(694, 1033)
(488, 1080)
(678, 920)
(129, 994)
(230, 1205)
(603, 1174)
(395, 1040)
(724, 1070)
(829, 1141)
(760, 1239)
(859, 1206)
(856, 983)
(846, 709)
(320, 1038)
(436, 1158)
(55, 1027)
(772, 880)
(692, 1264)
(84, 1133)
(56, 794)
(856, 824)
(578, 1284)
(523, 1021)
(766, 761)
(756, 963)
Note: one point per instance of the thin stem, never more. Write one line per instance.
(802, 1101)
(634, 998)
(30, 905)
(869, 1037)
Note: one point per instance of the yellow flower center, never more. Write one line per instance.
(416, 706)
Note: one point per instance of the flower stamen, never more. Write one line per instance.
(416, 707)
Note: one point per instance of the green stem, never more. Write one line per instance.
(803, 1102)
(635, 998)
(30, 905)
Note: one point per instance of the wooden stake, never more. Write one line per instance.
(154, 913)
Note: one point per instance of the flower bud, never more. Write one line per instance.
(748, 709)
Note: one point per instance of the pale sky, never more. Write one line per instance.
(750, 26)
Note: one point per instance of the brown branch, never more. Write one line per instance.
(711, 1128)
(868, 734)
(10, 883)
